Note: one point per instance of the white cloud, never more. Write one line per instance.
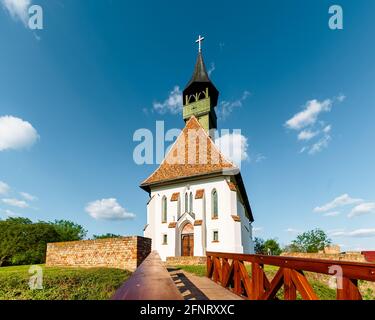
(259, 157)
(28, 196)
(340, 201)
(108, 209)
(359, 233)
(332, 214)
(18, 9)
(4, 188)
(320, 145)
(306, 122)
(234, 147)
(212, 69)
(173, 104)
(341, 97)
(15, 203)
(16, 133)
(309, 115)
(327, 129)
(361, 209)
(227, 107)
(307, 135)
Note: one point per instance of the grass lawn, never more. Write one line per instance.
(319, 282)
(61, 283)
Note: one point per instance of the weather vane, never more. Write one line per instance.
(199, 41)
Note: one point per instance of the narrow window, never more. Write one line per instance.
(186, 202)
(164, 210)
(215, 236)
(191, 203)
(214, 204)
(165, 239)
(178, 207)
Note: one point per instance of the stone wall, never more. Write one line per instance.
(123, 253)
(354, 256)
(185, 261)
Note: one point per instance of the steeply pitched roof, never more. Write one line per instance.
(200, 81)
(185, 157)
(200, 73)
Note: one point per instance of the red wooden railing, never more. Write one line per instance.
(229, 270)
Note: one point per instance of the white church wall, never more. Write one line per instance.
(230, 233)
(246, 229)
(150, 230)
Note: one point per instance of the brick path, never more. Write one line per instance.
(193, 287)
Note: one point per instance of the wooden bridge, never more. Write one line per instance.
(228, 279)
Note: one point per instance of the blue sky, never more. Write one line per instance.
(73, 94)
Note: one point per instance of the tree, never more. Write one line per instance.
(311, 241)
(271, 246)
(68, 230)
(34, 243)
(24, 242)
(258, 245)
(106, 236)
(18, 220)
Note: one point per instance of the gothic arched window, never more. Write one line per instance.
(178, 207)
(164, 210)
(214, 204)
(191, 203)
(186, 202)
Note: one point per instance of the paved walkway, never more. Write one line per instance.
(193, 287)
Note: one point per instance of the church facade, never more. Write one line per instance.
(198, 200)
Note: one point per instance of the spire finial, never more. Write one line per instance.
(199, 41)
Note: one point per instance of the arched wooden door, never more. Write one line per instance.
(187, 240)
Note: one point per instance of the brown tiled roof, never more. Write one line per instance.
(236, 218)
(199, 194)
(232, 186)
(172, 225)
(198, 222)
(175, 196)
(177, 164)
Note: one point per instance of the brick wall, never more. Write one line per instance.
(185, 261)
(354, 257)
(123, 253)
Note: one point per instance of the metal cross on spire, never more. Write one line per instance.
(199, 41)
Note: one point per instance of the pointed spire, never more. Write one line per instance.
(200, 80)
(200, 73)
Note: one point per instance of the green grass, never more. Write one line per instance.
(61, 283)
(318, 282)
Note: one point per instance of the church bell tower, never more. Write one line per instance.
(200, 95)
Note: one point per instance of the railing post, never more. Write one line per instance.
(349, 290)
(237, 278)
(290, 292)
(224, 272)
(257, 281)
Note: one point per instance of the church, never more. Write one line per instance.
(198, 200)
